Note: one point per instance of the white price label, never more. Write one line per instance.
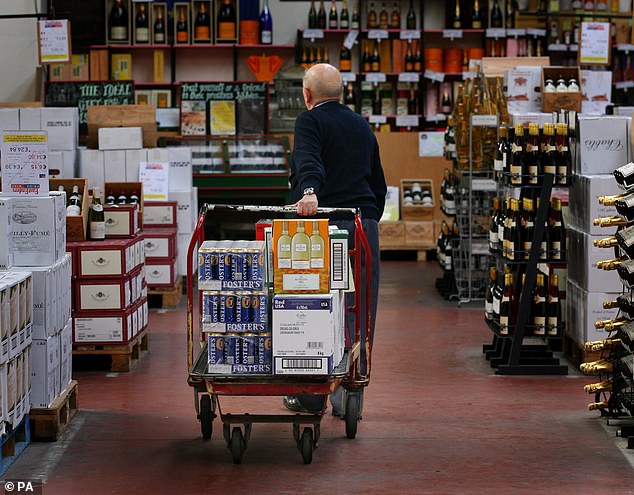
(439, 117)
(574, 48)
(409, 77)
(377, 119)
(410, 34)
(496, 33)
(407, 121)
(558, 47)
(484, 120)
(313, 34)
(378, 34)
(516, 32)
(624, 85)
(434, 76)
(348, 77)
(351, 39)
(469, 75)
(483, 185)
(376, 77)
(624, 47)
(452, 34)
(535, 32)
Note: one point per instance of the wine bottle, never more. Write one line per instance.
(410, 21)
(612, 384)
(266, 25)
(496, 15)
(355, 22)
(96, 218)
(624, 302)
(507, 313)
(610, 264)
(321, 16)
(202, 29)
(599, 366)
(417, 59)
(376, 103)
(488, 295)
(610, 325)
(602, 345)
(284, 248)
(598, 406)
(511, 9)
(502, 153)
(457, 19)
(395, 17)
(110, 198)
(493, 226)
(539, 311)
(383, 17)
(350, 98)
(122, 199)
(300, 248)
(333, 17)
(501, 222)
(549, 150)
(73, 205)
(553, 307)
(445, 103)
(517, 165)
(533, 155)
(528, 227)
(344, 18)
(159, 26)
(375, 60)
(182, 29)
(625, 176)
(498, 292)
(564, 161)
(118, 22)
(556, 231)
(312, 16)
(611, 200)
(345, 59)
(476, 16)
(409, 58)
(142, 26)
(226, 21)
(367, 63)
(133, 199)
(615, 221)
(516, 240)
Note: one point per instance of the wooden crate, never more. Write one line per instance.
(48, 424)
(391, 234)
(419, 233)
(416, 210)
(553, 102)
(143, 116)
(76, 226)
(124, 357)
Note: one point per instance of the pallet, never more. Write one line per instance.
(123, 357)
(576, 353)
(13, 443)
(422, 252)
(169, 297)
(48, 424)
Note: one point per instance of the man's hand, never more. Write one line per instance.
(307, 206)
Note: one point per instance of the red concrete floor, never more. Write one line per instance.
(436, 421)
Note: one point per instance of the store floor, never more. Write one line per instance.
(436, 421)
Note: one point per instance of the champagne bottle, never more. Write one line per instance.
(496, 15)
(511, 9)
(612, 384)
(614, 221)
(409, 58)
(344, 18)
(553, 307)
(383, 17)
(345, 59)
(602, 345)
(539, 306)
(549, 150)
(202, 30)
(457, 19)
(395, 17)
(266, 25)
(142, 25)
(533, 155)
(96, 219)
(502, 153)
(476, 16)
(226, 21)
(321, 16)
(284, 248)
(625, 270)
(598, 406)
(599, 366)
(118, 22)
(518, 158)
(488, 295)
(350, 99)
(610, 325)
(182, 30)
(610, 264)
(564, 162)
(354, 22)
(556, 231)
(493, 226)
(300, 248)
(375, 59)
(367, 63)
(507, 313)
(445, 103)
(159, 26)
(410, 21)
(312, 16)
(625, 206)
(625, 176)
(417, 59)
(73, 205)
(333, 17)
(611, 200)
(317, 248)
(624, 302)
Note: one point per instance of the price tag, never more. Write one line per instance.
(410, 34)
(483, 185)
(313, 34)
(348, 77)
(351, 39)
(535, 32)
(407, 121)
(516, 32)
(378, 34)
(24, 158)
(624, 85)
(155, 179)
(484, 120)
(54, 41)
(377, 119)
(480, 248)
(496, 33)
(375, 77)
(624, 47)
(439, 117)
(558, 47)
(452, 34)
(574, 48)
(469, 75)
(434, 76)
(409, 77)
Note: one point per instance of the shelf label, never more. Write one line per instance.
(558, 47)
(624, 47)
(488, 185)
(409, 77)
(351, 39)
(434, 76)
(516, 32)
(377, 119)
(478, 248)
(574, 48)
(484, 120)
(313, 34)
(496, 33)
(624, 85)
(469, 75)
(376, 77)
(452, 34)
(407, 121)
(439, 117)
(410, 34)
(535, 32)
(348, 77)
(378, 34)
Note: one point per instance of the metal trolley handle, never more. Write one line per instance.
(275, 209)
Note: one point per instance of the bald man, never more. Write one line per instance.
(336, 163)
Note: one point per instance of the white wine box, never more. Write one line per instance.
(583, 204)
(6, 256)
(120, 138)
(91, 167)
(109, 258)
(114, 166)
(133, 159)
(62, 126)
(159, 214)
(45, 372)
(122, 221)
(180, 174)
(187, 209)
(603, 144)
(10, 119)
(30, 118)
(161, 274)
(66, 354)
(98, 328)
(584, 309)
(160, 244)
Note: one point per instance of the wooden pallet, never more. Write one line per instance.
(168, 296)
(13, 444)
(48, 424)
(123, 357)
(577, 354)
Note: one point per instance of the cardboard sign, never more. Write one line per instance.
(24, 158)
(155, 179)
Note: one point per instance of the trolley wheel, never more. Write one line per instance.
(237, 445)
(306, 445)
(352, 415)
(206, 417)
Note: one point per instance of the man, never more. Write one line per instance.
(336, 163)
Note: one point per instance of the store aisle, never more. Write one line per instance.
(436, 421)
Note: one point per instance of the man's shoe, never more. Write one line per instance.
(292, 403)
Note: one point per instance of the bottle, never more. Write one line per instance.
(182, 30)
(300, 248)
(409, 58)
(528, 226)
(556, 231)
(498, 292)
(73, 205)
(202, 29)
(316, 248)
(539, 311)
(476, 17)
(511, 9)
(533, 155)
(611, 200)
(549, 150)
(383, 17)
(118, 22)
(493, 226)
(600, 366)
(376, 103)
(367, 63)
(350, 98)
(395, 17)
(501, 155)
(553, 307)
(226, 21)
(610, 264)
(344, 18)
(507, 313)
(266, 25)
(333, 18)
(345, 59)
(375, 59)
(321, 16)
(624, 302)
(601, 345)
(625, 176)
(325, 58)
(598, 406)
(122, 199)
(354, 22)
(410, 21)
(110, 198)
(457, 19)
(142, 26)
(496, 15)
(516, 240)
(96, 219)
(134, 198)
(616, 220)
(417, 59)
(159, 26)
(517, 165)
(488, 294)
(501, 223)
(445, 104)
(312, 16)
(284, 248)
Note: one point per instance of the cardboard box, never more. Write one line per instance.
(122, 221)
(133, 159)
(30, 118)
(554, 102)
(182, 245)
(111, 258)
(80, 67)
(9, 119)
(158, 155)
(127, 188)
(113, 328)
(76, 226)
(304, 333)
(391, 234)
(91, 167)
(144, 116)
(62, 126)
(120, 138)
(583, 203)
(93, 295)
(339, 258)
(231, 265)
(11, 391)
(523, 92)
(584, 271)
(596, 91)
(45, 371)
(160, 274)
(6, 213)
(61, 164)
(66, 354)
(415, 209)
(603, 144)
(234, 312)
(160, 244)
(180, 174)
(186, 210)
(160, 214)
(98, 66)
(419, 233)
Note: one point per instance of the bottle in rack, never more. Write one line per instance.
(496, 15)
(553, 307)
(493, 227)
(549, 150)
(507, 309)
(333, 17)
(355, 22)
(624, 176)
(375, 60)
(349, 98)
(73, 205)
(502, 154)
(344, 17)
(159, 27)
(312, 16)
(417, 59)
(476, 16)
(533, 155)
(624, 302)
(110, 198)
(345, 59)
(528, 227)
(384, 17)
(511, 9)
(395, 16)
(457, 18)
(96, 218)
(372, 19)
(564, 162)
(501, 224)
(321, 16)
(517, 164)
(556, 232)
(202, 30)
(409, 58)
(410, 22)
(142, 25)
(266, 25)
(122, 199)
(489, 312)
(539, 310)
(226, 21)
(601, 345)
(182, 29)
(118, 22)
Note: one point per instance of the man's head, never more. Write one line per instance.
(322, 82)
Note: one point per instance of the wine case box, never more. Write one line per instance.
(102, 295)
(6, 213)
(97, 328)
(128, 188)
(419, 233)
(159, 9)
(45, 371)
(122, 221)
(91, 167)
(416, 210)
(184, 8)
(65, 343)
(62, 126)
(301, 263)
(160, 244)
(584, 309)
(143, 116)
(121, 66)
(180, 174)
(133, 159)
(76, 225)
(554, 102)
(186, 210)
(161, 273)
(120, 138)
(141, 34)
(199, 34)
(111, 258)
(30, 118)
(391, 234)
(125, 37)
(603, 144)
(583, 203)
(160, 214)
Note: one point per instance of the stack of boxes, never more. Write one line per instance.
(604, 145)
(159, 233)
